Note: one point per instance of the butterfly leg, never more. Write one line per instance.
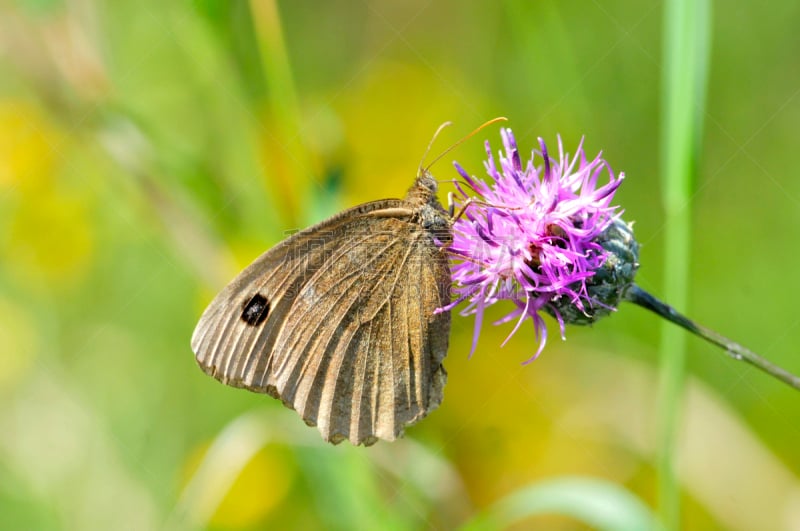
(470, 201)
(463, 208)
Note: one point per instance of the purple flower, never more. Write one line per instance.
(534, 236)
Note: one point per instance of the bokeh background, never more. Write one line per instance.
(149, 150)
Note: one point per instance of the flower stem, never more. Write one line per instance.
(736, 351)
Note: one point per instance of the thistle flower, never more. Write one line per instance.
(536, 237)
(548, 239)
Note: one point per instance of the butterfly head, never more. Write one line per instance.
(433, 218)
(426, 182)
(424, 189)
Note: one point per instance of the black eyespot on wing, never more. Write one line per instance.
(255, 310)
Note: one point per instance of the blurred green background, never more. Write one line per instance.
(149, 150)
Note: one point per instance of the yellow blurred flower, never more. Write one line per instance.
(49, 236)
(260, 487)
(388, 121)
(50, 239)
(28, 143)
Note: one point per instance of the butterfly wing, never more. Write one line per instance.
(337, 321)
(224, 338)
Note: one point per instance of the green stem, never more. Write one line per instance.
(686, 36)
(291, 166)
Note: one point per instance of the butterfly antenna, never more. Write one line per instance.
(459, 142)
(430, 144)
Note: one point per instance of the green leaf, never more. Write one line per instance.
(598, 503)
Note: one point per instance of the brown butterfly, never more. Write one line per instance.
(338, 320)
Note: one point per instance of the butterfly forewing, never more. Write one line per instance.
(232, 349)
(338, 322)
(238, 354)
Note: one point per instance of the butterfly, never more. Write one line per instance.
(337, 321)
